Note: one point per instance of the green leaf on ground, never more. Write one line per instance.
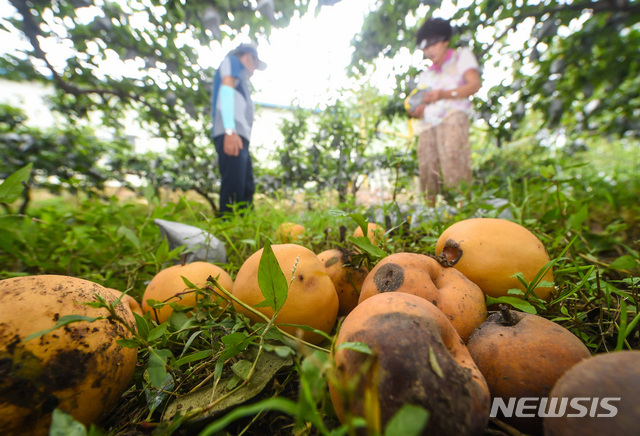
(271, 279)
(624, 262)
(63, 424)
(516, 302)
(355, 346)
(364, 244)
(12, 187)
(157, 368)
(410, 420)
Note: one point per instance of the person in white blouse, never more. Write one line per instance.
(442, 101)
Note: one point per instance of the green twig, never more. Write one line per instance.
(260, 314)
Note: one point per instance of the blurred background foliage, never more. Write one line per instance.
(555, 149)
(575, 76)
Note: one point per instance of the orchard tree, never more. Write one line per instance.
(338, 148)
(116, 56)
(62, 158)
(574, 61)
(137, 61)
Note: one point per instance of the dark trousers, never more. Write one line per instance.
(236, 173)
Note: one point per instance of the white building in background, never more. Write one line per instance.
(31, 97)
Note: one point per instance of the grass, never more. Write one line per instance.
(582, 206)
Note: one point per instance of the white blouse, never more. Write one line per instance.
(449, 76)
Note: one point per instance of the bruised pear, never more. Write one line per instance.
(522, 355)
(448, 289)
(375, 233)
(416, 357)
(598, 396)
(311, 301)
(289, 233)
(79, 368)
(490, 251)
(346, 277)
(168, 286)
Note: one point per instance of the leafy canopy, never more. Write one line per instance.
(117, 62)
(577, 64)
(155, 46)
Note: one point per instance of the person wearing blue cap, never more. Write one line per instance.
(232, 115)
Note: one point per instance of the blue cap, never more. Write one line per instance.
(248, 48)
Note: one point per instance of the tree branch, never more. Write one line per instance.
(595, 7)
(32, 30)
(209, 199)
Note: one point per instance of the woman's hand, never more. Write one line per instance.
(433, 96)
(419, 112)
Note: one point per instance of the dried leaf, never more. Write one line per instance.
(433, 361)
(268, 365)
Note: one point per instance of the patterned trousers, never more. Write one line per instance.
(445, 149)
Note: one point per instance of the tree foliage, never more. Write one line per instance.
(155, 45)
(135, 61)
(63, 158)
(340, 147)
(576, 69)
(578, 64)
